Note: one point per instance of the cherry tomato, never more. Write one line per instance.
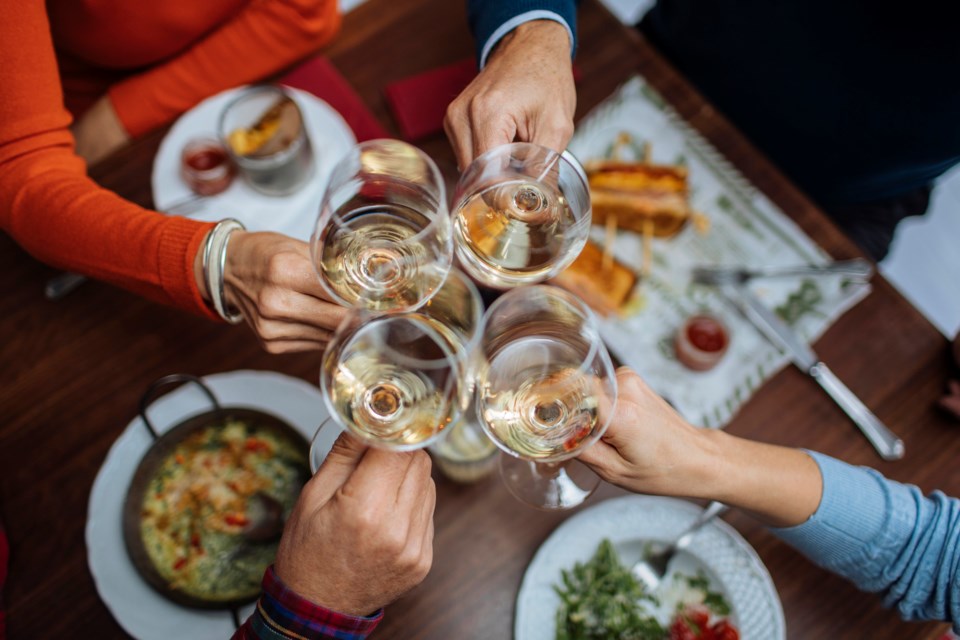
(723, 630)
(680, 630)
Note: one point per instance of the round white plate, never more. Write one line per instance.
(630, 522)
(141, 611)
(293, 215)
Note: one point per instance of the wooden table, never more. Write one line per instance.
(73, 371)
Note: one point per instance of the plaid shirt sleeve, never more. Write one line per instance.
(283, 615)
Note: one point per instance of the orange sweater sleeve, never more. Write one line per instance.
(263, 38)
(47, 202)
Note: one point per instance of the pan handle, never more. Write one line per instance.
(148, 396)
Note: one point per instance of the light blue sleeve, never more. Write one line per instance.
(886, 537)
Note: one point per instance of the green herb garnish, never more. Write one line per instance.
(600, 601)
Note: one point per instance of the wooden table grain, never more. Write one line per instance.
(72, 373)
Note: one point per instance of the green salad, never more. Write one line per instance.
(601, 600)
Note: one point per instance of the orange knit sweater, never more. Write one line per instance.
(155, 60)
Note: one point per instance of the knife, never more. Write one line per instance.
(887, 444)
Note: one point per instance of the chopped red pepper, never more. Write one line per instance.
(255, 444)
(195, 540)
(236, 519)
(179, 564)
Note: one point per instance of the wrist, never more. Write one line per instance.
(541, 35)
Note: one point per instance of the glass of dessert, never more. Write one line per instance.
(264, 131)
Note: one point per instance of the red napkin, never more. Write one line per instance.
(4, 556)
(321, 78)
(420, 102)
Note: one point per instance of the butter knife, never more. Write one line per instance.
(887, 444)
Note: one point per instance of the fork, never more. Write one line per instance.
(652, 567)
(857, 269)
(60, 285)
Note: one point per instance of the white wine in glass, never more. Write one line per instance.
(522, 215)
(383, 238)
(398, 380)
(546, 392)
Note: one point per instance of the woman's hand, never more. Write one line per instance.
(649, 448)
(270, 279)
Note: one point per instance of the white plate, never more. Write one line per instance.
(630, 522)
(293, 215)
(141, 611)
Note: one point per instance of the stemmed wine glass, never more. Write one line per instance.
(522, 215)
(382, 240)
(398, 380)
(546, 391)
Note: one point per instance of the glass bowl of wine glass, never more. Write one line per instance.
(522, 215)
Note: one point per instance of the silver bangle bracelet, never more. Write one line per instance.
(214, 264)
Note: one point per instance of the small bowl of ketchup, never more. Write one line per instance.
(701, 342)
(206, 167)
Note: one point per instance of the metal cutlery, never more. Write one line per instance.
(651, 568)
(857, 269)
(887, 444)
(60, 285)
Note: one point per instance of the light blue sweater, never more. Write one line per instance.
(886, 537)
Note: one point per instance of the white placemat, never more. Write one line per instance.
(745, 229)
(293, 215)
(141, 611)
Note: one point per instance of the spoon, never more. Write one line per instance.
(651, 568)
(265, 518)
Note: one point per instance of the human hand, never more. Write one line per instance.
(525, 92)
(361, 534)
(270, 279)
(99, 132)
(648, 447)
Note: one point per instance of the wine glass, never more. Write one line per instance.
(547, 391)
(382, 240)
(398, 380)
(522, 215)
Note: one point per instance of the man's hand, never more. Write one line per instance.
(99, 132)
(270, 278)
(525, 92)
(361, 534)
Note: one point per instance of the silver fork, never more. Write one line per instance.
(60, 285)
(857, 269)
(651, 568)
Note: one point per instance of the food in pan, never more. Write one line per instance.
(202, 498)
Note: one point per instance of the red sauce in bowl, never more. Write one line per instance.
(206, 167)
(701, 342)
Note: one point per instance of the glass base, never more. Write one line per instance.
(548, 485)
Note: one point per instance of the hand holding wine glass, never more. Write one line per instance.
(546, 393)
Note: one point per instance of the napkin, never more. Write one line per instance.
(419, 102)
(4, 556)
(321, 78)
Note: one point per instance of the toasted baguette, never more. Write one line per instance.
(604, 290)
(634, 193)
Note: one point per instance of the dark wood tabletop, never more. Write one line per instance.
(72, 373)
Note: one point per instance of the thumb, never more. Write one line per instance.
(337, 467)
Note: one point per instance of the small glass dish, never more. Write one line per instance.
(206, 167)
(265, 134)
(465, 454)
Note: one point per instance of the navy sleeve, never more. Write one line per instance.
(487, 16)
